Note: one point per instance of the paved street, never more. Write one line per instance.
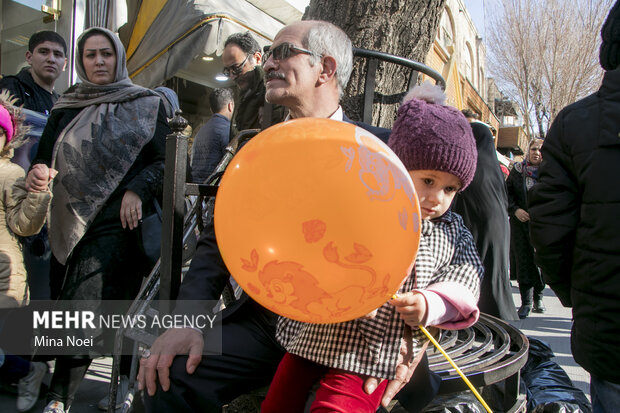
(552, 327)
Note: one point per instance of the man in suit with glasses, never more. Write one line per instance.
(306, 71)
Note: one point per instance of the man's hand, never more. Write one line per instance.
(39, 178)
(522, 215)
(412, 308)
(404, 370)
(170, 344)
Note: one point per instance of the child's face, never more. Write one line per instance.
(436, 190)
(2, 138)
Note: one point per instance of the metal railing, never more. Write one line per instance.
(373, 59)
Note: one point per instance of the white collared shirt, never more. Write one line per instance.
(337, 115)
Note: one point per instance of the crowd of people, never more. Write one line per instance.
(99, 164)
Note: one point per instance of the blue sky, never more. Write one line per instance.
(475, 8)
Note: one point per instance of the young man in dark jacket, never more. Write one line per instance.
(211, 140)
(575, 224)
(33, 86)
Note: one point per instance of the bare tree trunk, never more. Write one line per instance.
(400, 27)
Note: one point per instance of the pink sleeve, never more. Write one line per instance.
(450, 306)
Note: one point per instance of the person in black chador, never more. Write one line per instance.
(483, 206)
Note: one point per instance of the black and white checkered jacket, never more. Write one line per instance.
(447, 253)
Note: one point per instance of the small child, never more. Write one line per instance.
(437, 147)
(23, 213)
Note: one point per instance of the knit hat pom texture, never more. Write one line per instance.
(12, 121)
(428, 135)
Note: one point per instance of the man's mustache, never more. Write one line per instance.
(274, 75)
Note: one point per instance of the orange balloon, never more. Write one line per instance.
(317, 220)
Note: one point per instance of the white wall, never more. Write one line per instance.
(468, 46)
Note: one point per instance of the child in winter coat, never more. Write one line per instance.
(22, 213)
(437, 147)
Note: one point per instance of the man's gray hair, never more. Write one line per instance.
(326, 39)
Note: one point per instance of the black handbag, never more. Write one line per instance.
(150, 234)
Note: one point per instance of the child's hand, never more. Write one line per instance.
(39, 178)
(412, 308)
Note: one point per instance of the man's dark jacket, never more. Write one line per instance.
(575, 223)
(250, 101)
(28, 93)
(209, 147)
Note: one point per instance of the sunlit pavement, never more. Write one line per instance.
(553, 327)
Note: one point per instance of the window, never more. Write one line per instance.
(446, 29)
(469, 63)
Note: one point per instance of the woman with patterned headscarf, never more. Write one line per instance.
(522, 177)
(106, 137)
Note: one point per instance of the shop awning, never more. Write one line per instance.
(164, 38)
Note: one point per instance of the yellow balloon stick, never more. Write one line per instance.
(453, 364)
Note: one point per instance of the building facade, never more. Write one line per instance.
(512, 141)
(459, 55)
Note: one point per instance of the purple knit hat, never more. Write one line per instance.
(429, 135)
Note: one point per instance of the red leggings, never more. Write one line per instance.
(339, 390)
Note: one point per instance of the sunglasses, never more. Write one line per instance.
(283, 51)
(235, 69)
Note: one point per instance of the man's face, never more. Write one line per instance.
(47, 60)
(290, 81)
(239, 64)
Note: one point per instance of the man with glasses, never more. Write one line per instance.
(242, 58)
(306, 71)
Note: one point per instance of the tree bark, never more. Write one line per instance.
(400, 27)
